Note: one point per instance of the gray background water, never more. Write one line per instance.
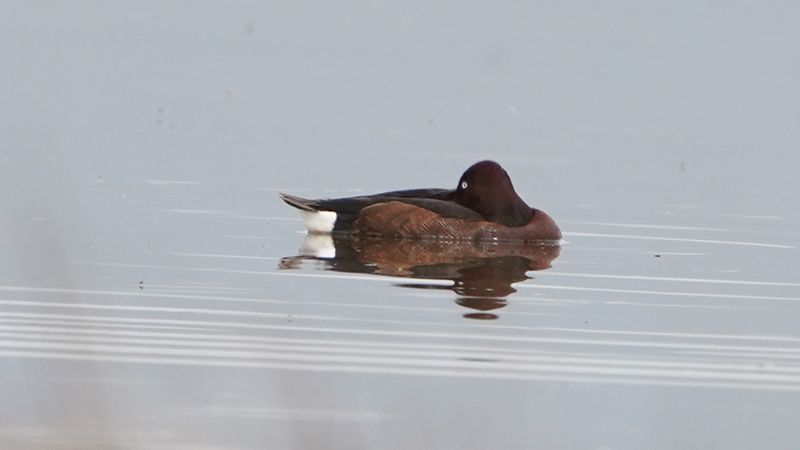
(143, 144)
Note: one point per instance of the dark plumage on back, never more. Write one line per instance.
(438, 201)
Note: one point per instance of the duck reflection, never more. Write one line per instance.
(482, 272)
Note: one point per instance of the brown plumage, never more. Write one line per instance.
(409, 221)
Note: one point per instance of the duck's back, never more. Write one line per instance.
(348, 210)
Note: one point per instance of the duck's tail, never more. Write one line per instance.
(316, 220)
(298, 202)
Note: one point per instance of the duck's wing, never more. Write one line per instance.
(434, 194)
(445, 208)
(438, 201)
(345, 208)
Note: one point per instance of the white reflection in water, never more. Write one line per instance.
(672, 239)
(558, 353)
(654, 292)
(670, 279)
(646, 226)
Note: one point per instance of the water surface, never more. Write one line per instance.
(151, 293)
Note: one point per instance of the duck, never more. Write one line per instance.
(483, 207)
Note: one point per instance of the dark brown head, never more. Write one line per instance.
(486, 188)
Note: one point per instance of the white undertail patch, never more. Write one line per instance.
(319, 221)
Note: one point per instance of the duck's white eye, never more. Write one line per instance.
(463, 185)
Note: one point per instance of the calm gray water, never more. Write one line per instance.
(153, 289)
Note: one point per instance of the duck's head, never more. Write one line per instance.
(486, 188)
